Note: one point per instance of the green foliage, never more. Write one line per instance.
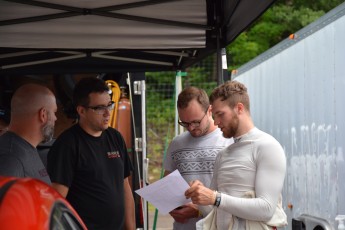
(160, 95)
(325, 5)
(196, 75)
(276, 24)
(241, 51)
(160, 77)
(201, 72)
(160, 110)
(160, 88)
(281, 20)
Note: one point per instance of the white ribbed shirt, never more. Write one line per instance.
(255, 162)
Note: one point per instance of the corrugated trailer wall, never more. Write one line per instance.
(297, 92)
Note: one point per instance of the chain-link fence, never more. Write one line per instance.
(161, 107)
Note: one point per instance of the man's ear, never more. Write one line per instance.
(240, 108)
(80, 110)
(42, 115)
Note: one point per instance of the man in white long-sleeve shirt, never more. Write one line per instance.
(193, 152)
(254, 163)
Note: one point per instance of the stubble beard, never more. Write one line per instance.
(231, 130)
(203, 131)
(48, 131)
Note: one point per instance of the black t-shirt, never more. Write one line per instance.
(94, 169)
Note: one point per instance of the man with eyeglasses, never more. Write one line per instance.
(193, 152)
(89, 165)
(245, 191)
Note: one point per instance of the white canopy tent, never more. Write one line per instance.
(73, 36)
(64, 38)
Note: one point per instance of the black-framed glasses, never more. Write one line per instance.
(193, 124)
(101, 109)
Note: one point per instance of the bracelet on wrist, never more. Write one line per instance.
(218, 199)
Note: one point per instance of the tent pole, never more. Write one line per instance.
(219, 62)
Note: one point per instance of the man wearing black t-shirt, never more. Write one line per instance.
(88, 164)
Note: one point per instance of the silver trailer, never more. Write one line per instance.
(297, 91)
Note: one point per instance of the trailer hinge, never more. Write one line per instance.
(137, 87)
(138, 144)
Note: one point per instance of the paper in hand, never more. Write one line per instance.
(167, 193)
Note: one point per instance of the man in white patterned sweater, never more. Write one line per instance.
(193, 152)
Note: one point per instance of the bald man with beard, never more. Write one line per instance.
(33, 109)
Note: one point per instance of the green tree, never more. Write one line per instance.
(276, 24)
(281, 20)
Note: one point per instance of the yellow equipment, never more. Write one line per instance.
(115, 96)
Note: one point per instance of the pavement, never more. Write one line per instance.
(164, 222)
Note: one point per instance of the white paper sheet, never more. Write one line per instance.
(167, 193)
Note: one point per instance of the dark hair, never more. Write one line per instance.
(233, 92)
(193, 93)
(85, 87)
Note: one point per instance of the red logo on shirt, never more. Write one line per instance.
(114, 154)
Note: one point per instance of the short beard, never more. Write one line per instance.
(47, 131)
(203, 131)
(231, 130)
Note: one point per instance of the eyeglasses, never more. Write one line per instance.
(102, 109)
(193, 124)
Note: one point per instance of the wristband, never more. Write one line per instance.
(218, 199)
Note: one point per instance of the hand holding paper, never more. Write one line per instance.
(167, 193)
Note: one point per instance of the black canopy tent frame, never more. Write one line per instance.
(65, 38)
(60, 37)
